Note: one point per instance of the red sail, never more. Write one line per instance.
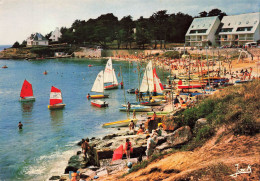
(26, 90)
(158, 87)
(118, 153)
(55, 96)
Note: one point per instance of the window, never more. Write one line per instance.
(226, 30)
(244, 28)
(209, 25)
(192, 26)
(228, 24)
(198, 31)
(255, 22)
(247, 22)
(239, 23)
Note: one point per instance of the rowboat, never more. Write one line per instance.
(56, 99)
(137, 108)
(99, 103)
(26, 92)
(121, 123)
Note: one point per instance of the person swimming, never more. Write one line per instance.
(20, 125)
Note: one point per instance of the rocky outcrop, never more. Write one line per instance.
(168, 123)
(199, 124)
(180, 136)
(17, 53)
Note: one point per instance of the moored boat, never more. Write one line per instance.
(26, 92)
(136, 108)
(99, 103)
(4, 67)
(120, 123)
(56, 99)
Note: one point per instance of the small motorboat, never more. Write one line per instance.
(90, 65)
(45, 72)
(99, 103)
(131, 91)
(120, 123)
(4, 67)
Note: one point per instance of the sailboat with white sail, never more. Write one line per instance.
(98, 86)
(110, 76)
(56, 101)
(151, 84)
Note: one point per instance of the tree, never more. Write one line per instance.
(203, 14)
(160, 26)
(16, 45)
(143, 33)
(126, 26)
(217, 12)
(48, 35)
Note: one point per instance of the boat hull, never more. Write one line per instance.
(154, 103)
(136, 109)
(122, 123)
(56, 106)
(98, 96)
(27, 99)
(99, 104)
(113, 86)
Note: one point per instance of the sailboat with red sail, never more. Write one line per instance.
(56, 99)
(26, 92)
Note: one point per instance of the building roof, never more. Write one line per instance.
(240, 24)
(202, 26)
(37, 37)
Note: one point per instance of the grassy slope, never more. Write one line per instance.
(233, 115)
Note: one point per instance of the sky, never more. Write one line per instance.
(20, 18)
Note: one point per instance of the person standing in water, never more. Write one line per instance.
(20, 125)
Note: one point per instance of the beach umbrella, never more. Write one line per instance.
(118, 153)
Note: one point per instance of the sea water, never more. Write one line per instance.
(48, 138)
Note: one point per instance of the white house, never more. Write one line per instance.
(55, 35)
(202, 31)
(239, 29)
(37, 39)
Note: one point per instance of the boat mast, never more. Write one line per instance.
(124, 89)
(208, 67)
(138, 68)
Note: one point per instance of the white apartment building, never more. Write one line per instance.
(239, 29)
(202, 32)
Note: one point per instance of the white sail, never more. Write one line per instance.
(108, 74)
(114, 78)
(147, 82)
(98, 85)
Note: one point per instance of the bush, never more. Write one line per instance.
(246, 126)
(172, 54)
(204, 133)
